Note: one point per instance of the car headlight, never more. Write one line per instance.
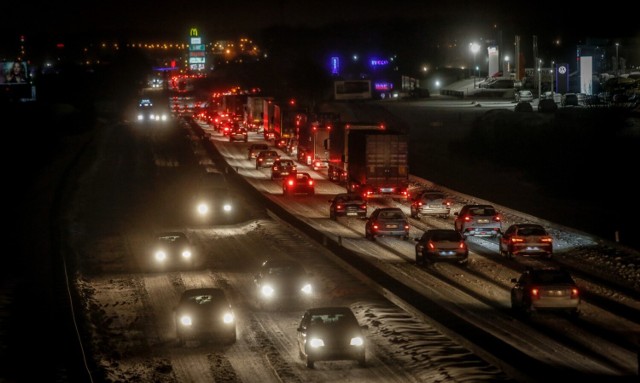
(227, 207)
(140, 117)
(316, 342)
(160, 256)
(267, 291)
(357, 341)
(164, 117)
(186, 254)
(186, 320)
(228, 317)
(203, 208)
(307, 289)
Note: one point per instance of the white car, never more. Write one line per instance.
(524, 95)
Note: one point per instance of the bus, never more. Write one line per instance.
(352, 90)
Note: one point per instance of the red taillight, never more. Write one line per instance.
(406, 227)
(420, 203)
(574, 292)
(339, 207)
(375, 226)
(462, 245)
(310, 182)
(546, 240)
(431, 245)
(275, 168)
(535, 293)
(497, 218)
(290, 182)
(467, 218)
(516, 240)
(447, 203)
(363, 206)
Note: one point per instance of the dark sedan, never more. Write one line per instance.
(438, 245)
(205, 312)
(387, 221)
(172, 249)
(282, 282)
(347, 205)
(331, 333)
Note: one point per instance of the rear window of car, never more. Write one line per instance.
(483, 211)
(551, 276)
(391, 214)
(432, 196)
(445, 236)
(532, 231)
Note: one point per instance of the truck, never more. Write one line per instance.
(253, 117)
(370, 159)
(282, 121)
(313, 140)
(234, 104)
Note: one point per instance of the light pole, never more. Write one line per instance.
(539, 79)
(506, 58)
(617, 61)
(475, 47)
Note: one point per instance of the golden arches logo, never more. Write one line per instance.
(193, 32)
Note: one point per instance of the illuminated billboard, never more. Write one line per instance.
(14, 72)
(586, 75)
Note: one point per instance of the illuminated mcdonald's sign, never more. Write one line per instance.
(193, 32)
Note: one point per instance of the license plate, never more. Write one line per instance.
(392, 226)
(483, 221)
(447, 253)
(386, 190)
(532, 248)
(352, 213)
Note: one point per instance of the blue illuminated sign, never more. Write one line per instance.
(335, 65)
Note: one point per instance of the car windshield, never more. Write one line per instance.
(551, 276)
(333, 320)
(171, 239)
(532, 231)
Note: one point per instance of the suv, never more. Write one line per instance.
(430, 202)
(478, 221)
(266, 158)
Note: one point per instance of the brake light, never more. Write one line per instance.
(446, 203)
(467, 218)
(535, 293)
(574, 293)
(516, 240)
(310, 182)
(339, 207)
(363, 206)
(420, 203)
(275, 168)
(406, 227)
(497, 218)
(290, 182)
(375, 226)
(462, 245)
(546, 239)
(431, 245)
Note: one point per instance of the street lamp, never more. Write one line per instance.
(506, 58)
(617, 61)
(475, 48)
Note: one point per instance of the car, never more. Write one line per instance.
(254, 149)
(147, 112)
(547, 106)
(570, 99)
(349, 205)
(266, 158)
(501, 83)
(526, 239)
(283, 282)
(478, 220)
(282, 167)
(214, 204)
(172, 249)
(432, 203)
(545, 289)
(331, 333)
(524, 95)
(437, 245)
(298, 183)
(205, 312)
(387, 221)
(238, 134)
(523, 106)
